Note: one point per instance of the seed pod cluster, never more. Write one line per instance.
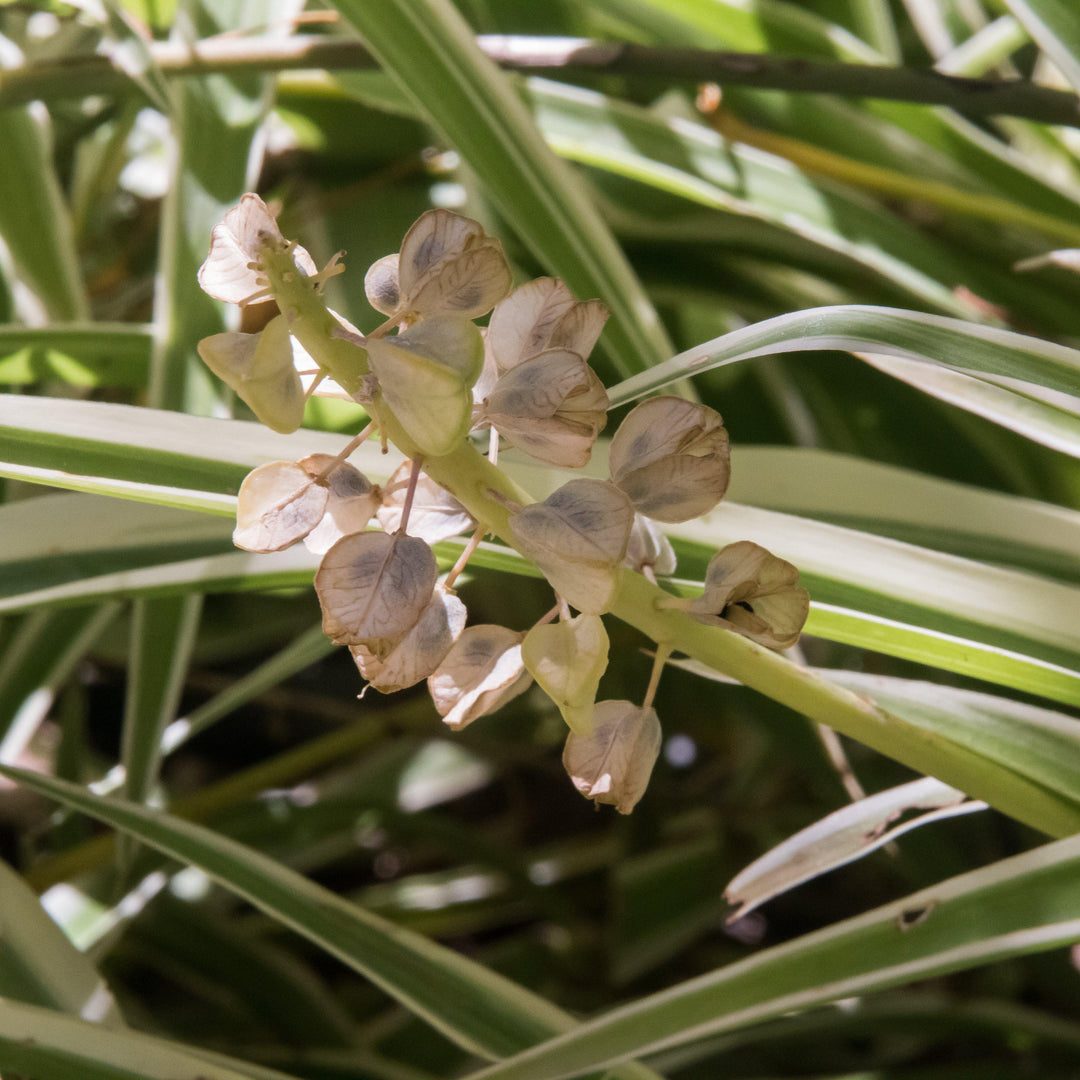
(525, 379)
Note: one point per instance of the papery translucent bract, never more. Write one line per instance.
(277, 505)
(425, 375)
(522, 324)
(481, 672)
(420, 651)
(381, 285)
(749, 589)
(448, 266)
(351, 501)
(230, 272)
(672, 458)
(649, 547)
(552, 406)
(613, 764)
(578, 537)
(259, 367)
(435, 515)
(567, 660)
(373, 587)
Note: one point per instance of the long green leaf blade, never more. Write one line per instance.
(430, 51)
(974, 919)
(477, 1008)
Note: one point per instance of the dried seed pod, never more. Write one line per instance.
(351, 501)
(750, 590)
(231, 272)
(482, 672)
(567, 660)
(435, 515)
(259, 367)
(278, 504)
(447, 266)
(578, 537)
(542, 314)
(672, 458)
(373, 587)
(649, 547)
(381, 285)
(613, 764)
(420, 651)
(552, 406)
(425, 374)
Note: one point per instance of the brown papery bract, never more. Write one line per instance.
(671, 457)
(420, 651)
(552, 406)
(578, 537)
(373, 587)
(613, 764)
(481, 672)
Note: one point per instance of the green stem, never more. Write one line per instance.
(491, 496)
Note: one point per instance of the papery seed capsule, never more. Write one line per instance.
(351, 501)
(277, 505)
(435, 514)
(613, 764)
(481, 673)
(373, 587)
(567, 660)
(420, 651)
(672, 458)
(578, 537)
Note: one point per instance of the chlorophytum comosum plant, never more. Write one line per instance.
(427, 377)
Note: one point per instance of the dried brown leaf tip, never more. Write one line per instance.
(232, 271)
(435, 514)
(578, 537)
(373, 588)
(613, 764)
(260, 368)
(481, 673)
(750, 590)
(420, 651)
(671, 457)
(567, 660)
